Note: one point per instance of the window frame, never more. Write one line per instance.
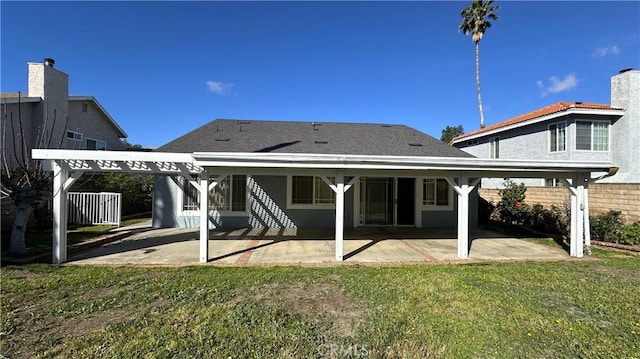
(436, 207)
(314, 204)
(591, 133)
(494, 147)
(230, 213)
(86, 143)
(75, 136)
(557, 125)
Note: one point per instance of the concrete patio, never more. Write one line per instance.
(309, 246)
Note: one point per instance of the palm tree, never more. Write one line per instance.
(475, 20)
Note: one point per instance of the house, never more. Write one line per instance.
(569, 131)
(48, 117)
(572, 131)
(246, 198)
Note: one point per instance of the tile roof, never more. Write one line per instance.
(545, 111)
(310, 137)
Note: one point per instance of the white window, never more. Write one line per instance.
(495, 148)
(96, 144)
(592, 135)
(437, 194)
(558, 137)
(74, 136)
(309, 192)
(230, 195)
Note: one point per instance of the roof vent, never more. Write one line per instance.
(49, 61)
(321, 142)
(625, 70)
(413, 144)
(578, 102)
(222, 139)
(385, 125)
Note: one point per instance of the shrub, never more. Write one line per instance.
(606, 227)
(511, 208)
(630, 234)
(554, 220)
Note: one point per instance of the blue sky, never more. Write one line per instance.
(161, 69)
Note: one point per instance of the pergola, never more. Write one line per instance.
(462, 173)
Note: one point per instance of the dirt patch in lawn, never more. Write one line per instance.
(98, 321)
(323, 304)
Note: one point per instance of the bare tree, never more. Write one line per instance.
(23, 178)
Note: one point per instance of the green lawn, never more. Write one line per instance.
(586, 308)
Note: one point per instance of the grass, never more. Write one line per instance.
(588, 308)
(38, 242)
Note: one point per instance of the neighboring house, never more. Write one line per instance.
(47, 117)
(569, 131)
(273, 199)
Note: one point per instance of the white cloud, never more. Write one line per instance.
(554, 84)
(605, 51)
(219, 87)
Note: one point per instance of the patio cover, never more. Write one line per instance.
(463, 174)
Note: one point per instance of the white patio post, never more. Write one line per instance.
(339, 216)
(463, 218)
(59, 214)
(576, 234)
(463, 189)
(340, 188)
(204, 216)
(587, 221)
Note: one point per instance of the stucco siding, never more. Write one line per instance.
(93, 125)
(267, 207)
(625, 146)
(532, 142)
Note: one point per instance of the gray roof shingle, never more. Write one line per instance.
(310, 137)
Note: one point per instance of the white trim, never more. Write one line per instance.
(291, 205)
(282, 161)
(570, 111)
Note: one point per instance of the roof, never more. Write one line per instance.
(104, 112)
(551, 111)
(16, 97)
(224, 135)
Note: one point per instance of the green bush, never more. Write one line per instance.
(511, 208)
(606, 227)
(630, 234)
(553, 220)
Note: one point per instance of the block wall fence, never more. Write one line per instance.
(623, 197)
